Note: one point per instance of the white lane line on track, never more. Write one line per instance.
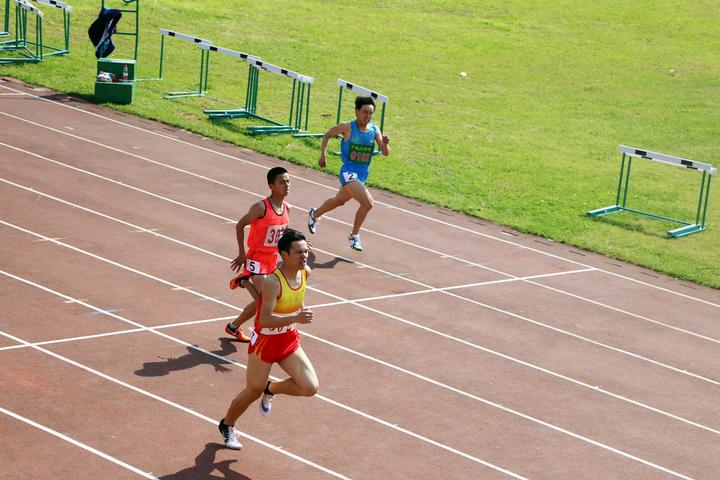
(77, 443)
(419, 376)
(409, 212)
(219, 357)
(447, 336)
(175, 405)
(578, 297)
(535, 322)
(116, 332)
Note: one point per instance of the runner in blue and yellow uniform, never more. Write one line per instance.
(358, 144)
(275, 338)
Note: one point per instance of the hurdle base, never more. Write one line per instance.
(605, 211)
(235, 113)
(308, 135)
(170, 95)
(685, 231)
(271, 130)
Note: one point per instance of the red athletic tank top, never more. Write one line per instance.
(265, 232)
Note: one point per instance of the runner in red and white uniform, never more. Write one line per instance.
(267, 219)
(275, 338)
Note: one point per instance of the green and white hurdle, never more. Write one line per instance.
(299, 101)
(27, 49)
(250, 99)
(204, 62)
(628, 153)
(345, 85)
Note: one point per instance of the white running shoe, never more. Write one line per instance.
(312, 221)
(266, 402)
(229, 436)
(354, 242)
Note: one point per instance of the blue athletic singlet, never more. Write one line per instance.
(357, 153)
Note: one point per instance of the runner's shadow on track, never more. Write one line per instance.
(192, 359)
(206, 468)
(312, 261)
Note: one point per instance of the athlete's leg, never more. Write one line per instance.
(303, 381)
(256, 378)
(253, 285)
(359, 192)
(340, 198)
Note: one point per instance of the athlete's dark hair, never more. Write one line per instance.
(273, 174)
(288, 238)
(360, 101)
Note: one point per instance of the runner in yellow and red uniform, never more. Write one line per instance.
(268, 219)
(275, 338)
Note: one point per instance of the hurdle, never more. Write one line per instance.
(628, 153)
(21, 44)
(345, 85)
(67, 10)
(252, 74)
(299, 101)
(204, 62)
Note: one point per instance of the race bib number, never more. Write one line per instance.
(252, 266)
(349, 176)
(274, 232)
(253, 337)
(361, 153)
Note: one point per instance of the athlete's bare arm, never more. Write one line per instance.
(257, 210)
(383, 142)
(343, 129)
(271, 290)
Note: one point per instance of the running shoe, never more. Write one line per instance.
(266, 401)
(312, 221)
(354, 242)
(236, 332)
(238, 279)
(229, 436)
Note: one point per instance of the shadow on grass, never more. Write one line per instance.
(206, 468)
(635, 225)
(192, 359)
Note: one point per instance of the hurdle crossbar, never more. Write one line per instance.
(204, 62)
(299, 101)
(628, 153)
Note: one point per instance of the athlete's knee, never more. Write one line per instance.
(309, 387)
(253, 392)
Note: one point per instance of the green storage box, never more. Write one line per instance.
(115, 66)
(115, 92)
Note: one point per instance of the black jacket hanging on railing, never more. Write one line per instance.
(101, 30)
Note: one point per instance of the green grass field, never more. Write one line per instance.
(527, 139)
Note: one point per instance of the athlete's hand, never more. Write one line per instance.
(386, 140)
(322, 161)
(238, 263)
(304, 316)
